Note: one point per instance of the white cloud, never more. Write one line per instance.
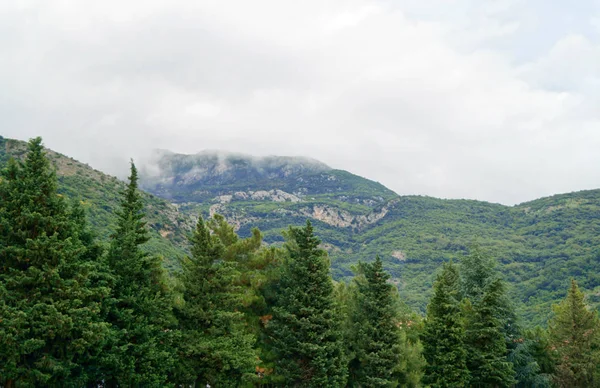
(437, 99)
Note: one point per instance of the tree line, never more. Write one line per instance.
(75, 312)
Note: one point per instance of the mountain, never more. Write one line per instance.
(539, 245)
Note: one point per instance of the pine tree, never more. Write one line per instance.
(305, 332)
(142, 308)
(214, 346)
(486, 346)
(50, 309)
(574, 341)
(376, 336)
(478, 278)
(477, 271)
(444, 334)
(258, 269)
(531, 360)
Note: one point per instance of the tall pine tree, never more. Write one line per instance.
(214, 346)
(443, 337)
(141, 314)
(305, 331)
(375, 333)
(574, 334)
(489, 316)
(487, 356)
(50, 307)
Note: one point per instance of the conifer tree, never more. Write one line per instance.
(375, 335)
(142, 308)
(214, 347)
(478, 278)
(50, 305)
(305, 332)
(574, 341)
(486, 347)
(531, 360)
(444, 334)
(258, 268)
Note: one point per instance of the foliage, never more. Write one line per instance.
(486, 347)
(540, 244)
(51, 285)
(375, 334)
(531, 360)
(574, 334)
(214, 346)
(444, 333)
(141, 315)
(99, 196)
(240, 312)
(305, 333)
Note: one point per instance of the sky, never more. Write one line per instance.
(490, 100)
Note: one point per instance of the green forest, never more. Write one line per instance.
(82, 310)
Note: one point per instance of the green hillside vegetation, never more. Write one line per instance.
(99, 195)
(241, 313)
(539, 245)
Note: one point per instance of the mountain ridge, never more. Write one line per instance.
(539, 244)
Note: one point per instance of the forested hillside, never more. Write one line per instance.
(99, 195)
(236, 312)
(539, 245)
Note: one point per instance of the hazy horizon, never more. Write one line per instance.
(495, 100)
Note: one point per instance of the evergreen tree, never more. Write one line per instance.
(478, 273)
(142, 308)
(214, 346)
(258, 271)
(376, 335)
(305, 331)
(486, 347)
(530, 360)
(574, 341)
(50, 304)
(444, 334)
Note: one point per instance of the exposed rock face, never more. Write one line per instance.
(274, 195)
(329, 215)
(341, 218)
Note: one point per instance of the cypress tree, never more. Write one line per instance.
(574, 341)
(376, 334)
(305, 332)
(444, 333)
(50, 304)
(214, 346)
(141, 314)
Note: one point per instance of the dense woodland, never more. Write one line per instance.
(76, 312)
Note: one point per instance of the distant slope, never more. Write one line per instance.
(100, 195)
(209, 174)
(539, 244)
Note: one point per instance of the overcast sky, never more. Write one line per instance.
(491, 100)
